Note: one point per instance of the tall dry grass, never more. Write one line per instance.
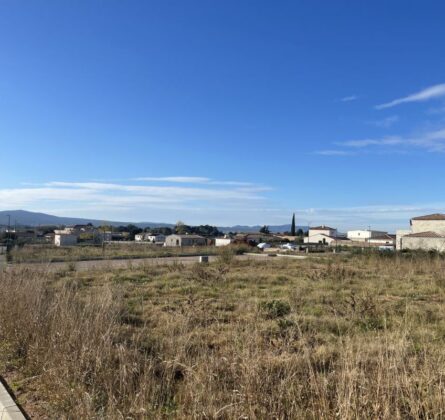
(351, 338)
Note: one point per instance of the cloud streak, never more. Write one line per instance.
(192, 180)
(430, 141)
(349, 98)
(427, 94)
(385, 122)
(136, 201)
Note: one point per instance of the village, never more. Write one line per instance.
(426, 233)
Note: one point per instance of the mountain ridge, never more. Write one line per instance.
(29, 218)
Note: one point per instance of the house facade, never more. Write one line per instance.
(223, 241)
(321, 235)
(364, 235)
(185, 240)
(149, 237)
(426, 233)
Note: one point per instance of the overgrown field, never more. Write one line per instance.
(48, 253)
(337, 337)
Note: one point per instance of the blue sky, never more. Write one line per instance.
(223, 112)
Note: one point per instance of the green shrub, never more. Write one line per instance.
(275, 308)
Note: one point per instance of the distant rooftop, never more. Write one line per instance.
(435, 216)
(424, 235)
(322, 227)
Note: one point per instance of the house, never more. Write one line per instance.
(320, 238)
(427, 233)
(223, 241)
(321, 235)
(383, 240)
(364, 235)
(65, 237)
(322, 230)
(185, 240)
(150, 237)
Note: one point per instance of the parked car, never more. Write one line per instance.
(264, 245)
(289, 246)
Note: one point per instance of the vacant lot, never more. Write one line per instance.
(124, 250)
(345, 337)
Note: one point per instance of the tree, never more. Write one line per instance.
(133, 231)
(181, 228)
(292, 228)
(265, 230)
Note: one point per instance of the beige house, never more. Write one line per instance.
(321, 235)
(427, 233)
(320, 238)
(185, 240)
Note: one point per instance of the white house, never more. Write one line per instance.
(383, 240)
(320, 238)
(322, 230)
(321, 235)
(427, 233)
(223, 241)
(365, 235)
(149, 237)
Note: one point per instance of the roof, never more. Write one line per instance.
(322, 227)
(435, 216)
(188, 236)
(385, 236)
(424, 235)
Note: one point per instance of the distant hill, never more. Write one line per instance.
(29, 218)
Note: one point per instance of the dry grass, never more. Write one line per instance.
(356, 337)
(124, 250)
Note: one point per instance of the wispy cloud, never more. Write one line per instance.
(385, 122)
(176, 179)
(334, 152)
(192, 180)
(385, 141)
(386, 217)
(349, 98)
(431, 141)
(135, 200)
(431, 92)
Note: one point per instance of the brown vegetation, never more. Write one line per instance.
(123, 250)
(340, 337)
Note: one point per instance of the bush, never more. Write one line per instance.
(275, 308)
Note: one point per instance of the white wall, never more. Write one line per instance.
(418, 226)
(315, 239)
(223, 241)
(399, 235)
(328, 232)
(437, 244)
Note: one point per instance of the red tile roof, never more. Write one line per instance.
(435, 216)
(424, 235)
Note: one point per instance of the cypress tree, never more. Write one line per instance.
(292, 228)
